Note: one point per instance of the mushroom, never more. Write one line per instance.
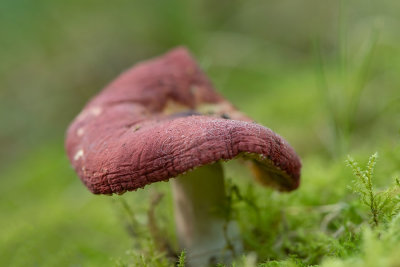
(163, 119)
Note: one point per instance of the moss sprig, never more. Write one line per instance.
(383, 205)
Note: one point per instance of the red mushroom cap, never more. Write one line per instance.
(163, 118)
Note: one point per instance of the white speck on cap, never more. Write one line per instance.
(96, 111)
(78, 154)
(80, 131)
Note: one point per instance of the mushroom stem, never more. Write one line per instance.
(202, 229)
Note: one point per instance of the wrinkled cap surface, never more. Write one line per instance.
(163, 118)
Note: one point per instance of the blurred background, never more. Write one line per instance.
(323, 74)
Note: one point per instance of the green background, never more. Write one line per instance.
(323, 74)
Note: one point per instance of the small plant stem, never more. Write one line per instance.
(372, 202)
(133, 223)
(181, 259)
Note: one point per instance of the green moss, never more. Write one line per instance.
(322, 74)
